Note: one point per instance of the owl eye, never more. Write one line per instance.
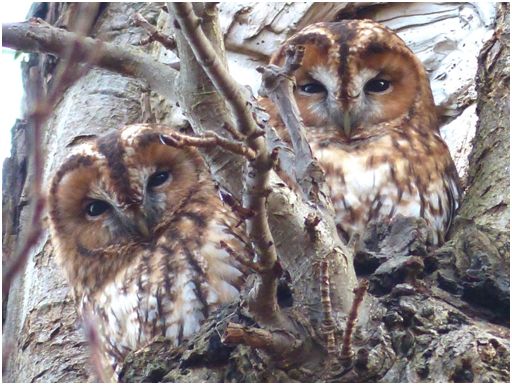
(377, 86)
(313, 88)
(96, 208)
(158, 178)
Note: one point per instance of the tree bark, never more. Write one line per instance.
(42, 333)
(422, 321)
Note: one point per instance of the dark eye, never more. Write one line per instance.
(377, 85)
(158, 178)
(96, 208)
(313, 88)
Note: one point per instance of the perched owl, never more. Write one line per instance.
(137, 227)
(370, 118)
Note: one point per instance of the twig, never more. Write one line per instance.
(346, 349)
(95, 355)
(233, 132)
(279, 343)
(208, 139)
(245, 262)
(36, 35)
(42, 106)
(263, 301)
(277, 85)
(328, 321)
(154, 34)
(241, 211)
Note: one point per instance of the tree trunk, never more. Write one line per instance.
(440, 323)
(42, 333)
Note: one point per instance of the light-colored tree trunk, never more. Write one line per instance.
(41, 333)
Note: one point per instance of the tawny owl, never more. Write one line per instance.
(370, 118)
(137, 226)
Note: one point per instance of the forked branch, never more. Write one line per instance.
(208, 139)
(154, 34)
(264, 300)
(277, 84)
(40, 106)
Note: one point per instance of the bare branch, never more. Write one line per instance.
(154, 34)
(66, 74)
(241, 211)
(42, 106)
(91, 333)
(208, 139)
(239, 257)
(233, 132)
(277, 84)
(346, 349)
(328, 321)
(257, 178)
(206, 55)
(36, 35)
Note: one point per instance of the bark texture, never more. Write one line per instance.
(440, 317)
(488, 197)
(41, 332)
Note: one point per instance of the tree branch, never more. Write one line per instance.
(154, 34)
(208, 139)
(35, 35)
(40, 107)
(264, 300)
(277, 84)
(346, 349)
(328, 321)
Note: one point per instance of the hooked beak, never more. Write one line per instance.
(141, 224)
(347, 129)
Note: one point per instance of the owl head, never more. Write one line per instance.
(115, 194)
(357, 75)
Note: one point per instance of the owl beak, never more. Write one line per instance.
(347, 124)
(142, 225)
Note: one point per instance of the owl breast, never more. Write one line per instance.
(372, 181)
(167, 291)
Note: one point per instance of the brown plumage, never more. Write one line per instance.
(137, 226)
(366, 102)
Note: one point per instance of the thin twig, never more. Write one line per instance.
(95, 350)
(346, 349)
(241, 211)
(245, 262)
(264, 300)
(154, 34)
(67, 73)
(208, 139)
(328, 321)
(233, 132)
